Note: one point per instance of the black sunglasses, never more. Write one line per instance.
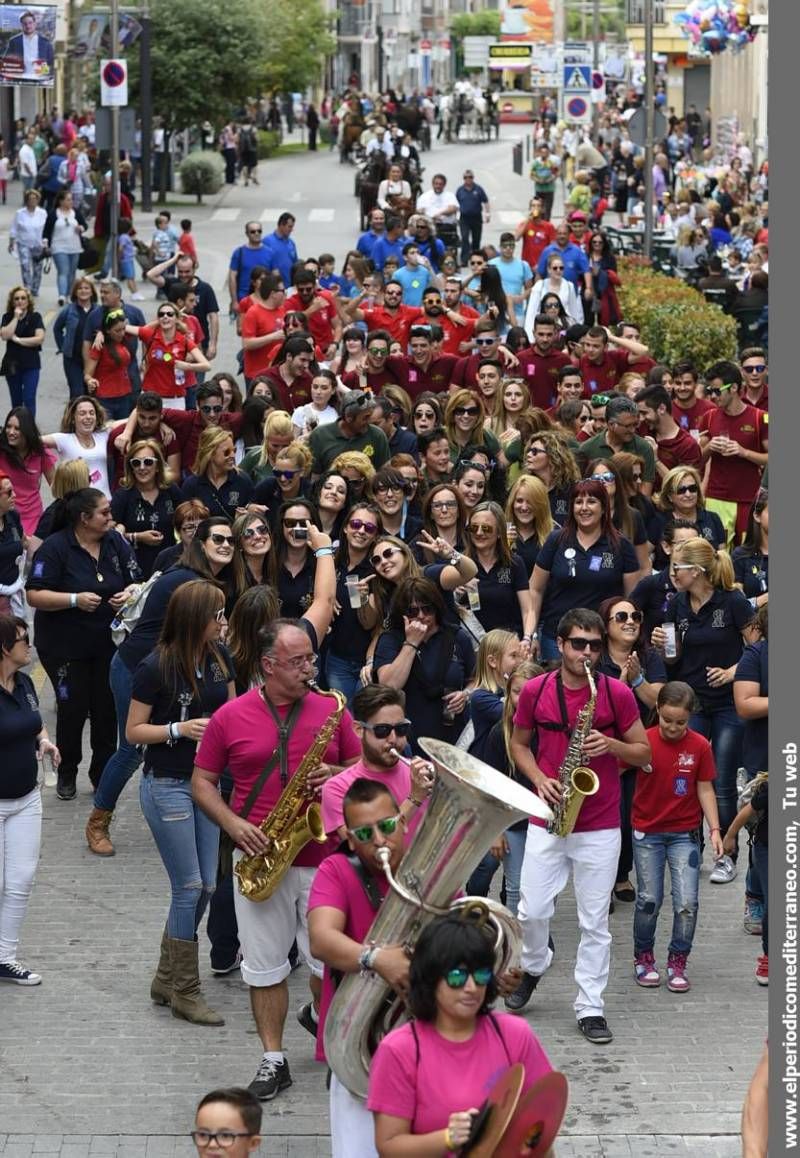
(580, 643)
(381, 556)
(260, 531)
(688, 489)
(211, 409)
(384, 731)
(414, 610)
(220, 540)
(167, 314)
(466, 411)
(624, 616)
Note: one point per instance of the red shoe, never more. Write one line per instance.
(762, 970)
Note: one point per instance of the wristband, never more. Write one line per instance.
(753, 601)
(322, 551)
(637, 683)
(534, 635)
(711, 831)
(448, 1140)
(73, 600)
(408, 643)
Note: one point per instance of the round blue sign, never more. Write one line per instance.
(113, 74)
(577, 106)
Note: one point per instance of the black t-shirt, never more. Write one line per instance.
(167, 557)
(710, 637)
(560, 498)
(20, 724)
(61, 564)
(144, 636)
(709, 527)
(583, 580)
(135, 513)
(347, 639)
(498, 588)
(18, 358)
(175, 703)
(296, 592)
(753, 668)
(236, 491)
(751, 569)
(445, 662)
(653, 595)
(493, 752)
(10, 548)
(653, 670)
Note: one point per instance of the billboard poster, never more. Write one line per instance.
(27, 39)
(93, 35)
(528, 20)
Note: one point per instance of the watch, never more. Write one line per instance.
(455, 559)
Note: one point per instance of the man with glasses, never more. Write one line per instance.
(473, 205)
(244, 260)
(601, 368)
(734, 436)
(549, 706)
(541, 364)
(353, 431)
(393, 317)
(673, 446)
(377, 228)
(487, 347)
(754, 370)
(111, 299)
(262, 738)
(622, 423)
(379, 369)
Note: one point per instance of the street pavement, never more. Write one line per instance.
(90, 1069)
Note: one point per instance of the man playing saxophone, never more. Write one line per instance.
(264, 738)
(607, 740)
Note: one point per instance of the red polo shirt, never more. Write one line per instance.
(540, 371)
(437, 376)
(257, 322)
(732, 478)
(397, 324)
(689, 419)
(454, 334)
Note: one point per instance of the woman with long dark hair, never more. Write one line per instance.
(175, 692)
(347, 643)
(25, 460)
(295, 558)
(627, 520)
(253, 539)
(492, 299)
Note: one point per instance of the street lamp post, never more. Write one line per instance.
(650, 123)
(114, 215)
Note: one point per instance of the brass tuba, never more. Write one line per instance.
(576, 779)
(471, 805)
(293, 822)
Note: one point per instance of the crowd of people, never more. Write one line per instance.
(449, 493)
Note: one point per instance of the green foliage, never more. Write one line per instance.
(486, 23)
(268, 142)
(676, 320)
(297, 41)
(202, 173)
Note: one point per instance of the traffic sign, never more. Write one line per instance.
(598, 79)
(577, 78)
(113, 83)
(577, 52)
(425, 47)
(577, 109)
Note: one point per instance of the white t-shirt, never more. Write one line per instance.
(69, 448)
(303, 413)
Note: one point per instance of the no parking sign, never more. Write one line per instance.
(113, 83)
(577, 109)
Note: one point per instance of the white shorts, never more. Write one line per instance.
(352, 1124)
(268, 928)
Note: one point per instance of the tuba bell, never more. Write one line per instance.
(471, 805)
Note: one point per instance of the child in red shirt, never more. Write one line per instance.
(671, 797)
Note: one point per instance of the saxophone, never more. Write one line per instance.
(293, 822)
(576, 780)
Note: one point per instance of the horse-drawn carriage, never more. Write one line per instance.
(372, 171)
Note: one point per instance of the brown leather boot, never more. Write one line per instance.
(161, 985)
(187, 1000)
(97, 832)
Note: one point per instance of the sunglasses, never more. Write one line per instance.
(137, 463)
(424, 414)
(444, 505)
(365, 832)
(221, 540)
(624, 616)
(291, 523)
(715, 391)
(557, 268)
(580, 643)
(382, 556)
(260, 531)
(688, 489)
(759, 369)
(605, 477)
(384, 731)
(466, 411)
(414, 610)
(378, 351)
(286, 475)
(211, 409)
(362, 525)
(220, 615)
(114, 314)
(536, 450)
(254, 231)
(482, 529)
(637, 478)
(167, 314)
(457, 978)
(485, 341)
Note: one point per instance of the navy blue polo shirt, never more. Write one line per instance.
(528, 551)
(710, 637)
(10, 548)
(753, 668)
(268, 494)
(62, 564)
(470, 201)
(498, 588)
(296, 592)
(347, 639)
(752, 571)
(170, 702)
(653, 595)
(20, 724)
(144, 636)
(236, 491)
(136, 514)
(560, 498)
(598, 574)
(709, 527)
(404, 442)
(653, 670)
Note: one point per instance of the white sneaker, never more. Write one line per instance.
(723, 872)
(137, 297)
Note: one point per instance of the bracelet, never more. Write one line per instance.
(637, 683)
(448, 1140)
(322, 551)
(455, 559)
(173, 733)
(408, 643)
(73, 600)
(366, 959)
(711, 831)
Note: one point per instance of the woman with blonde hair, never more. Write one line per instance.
(464, 419)
(681, 497)
(392, 561)
(215, 479)
(278, 433)
(502, 580)
(548, 457)
(499, 652)
(68, 476)
(290, 478)
(511, 403)
(711, 615)
(529, 519)
(356, 467)
(144, 506)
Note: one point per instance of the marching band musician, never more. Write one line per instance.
(549, 705)
(263, 738)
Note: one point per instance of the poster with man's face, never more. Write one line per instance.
(27, 38)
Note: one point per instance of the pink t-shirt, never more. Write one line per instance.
(337, 886)
(450, 1076)
(396, 779)
(27, 481)
(242, 737)
(602, 809)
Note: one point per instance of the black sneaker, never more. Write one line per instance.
(271, 1077)
(17, 974)
(517, 1000)
(65, 788)
(306, 1018)
(595, 1030)
(230, 967)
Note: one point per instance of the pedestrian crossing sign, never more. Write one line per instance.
(577, 78)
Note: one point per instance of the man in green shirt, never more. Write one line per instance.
(353, 431)
(622, 422)
(545, 169)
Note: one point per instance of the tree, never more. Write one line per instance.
(299, 40)
(485, 23)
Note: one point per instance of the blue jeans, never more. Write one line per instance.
(478, 884)
(66, 268)
(127, 758)
(342, 675)
(22, 387)
(117, 408)
(73, 372)
(725, 731)
(188, 843)
(651, 851)
(548, 648)
(760, 854)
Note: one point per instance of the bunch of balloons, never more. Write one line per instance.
(714, 25)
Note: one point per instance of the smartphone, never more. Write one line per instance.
(300, 532)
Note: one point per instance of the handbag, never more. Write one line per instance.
(90, 256)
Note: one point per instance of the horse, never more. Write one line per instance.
(372, 173)
(353, 126)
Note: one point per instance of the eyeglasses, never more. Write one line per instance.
(536, 450)
(167, 314)
(457, 978)
(24, 638)
(291, 523)
(382, 556)
(252, 231)
(259, 531)
(482, 529)
(287, 474)
(366, 832)
(187, 527)
(580, 643)
(384, 731)
(363, 525)
(485, 341)
(759, 369)
(605, 477)
(378, 351)
(296, 662)
(220, 615)
(138, 463)
(386, 488)
(715, 391)
(414, 610)
(466, 411)
(211, 409)
(624, 616)
(221, 540)
(444, 505)
(223, 1138)
(688, 489)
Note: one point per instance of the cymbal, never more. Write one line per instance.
(502, 1102)
(537, 1119)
